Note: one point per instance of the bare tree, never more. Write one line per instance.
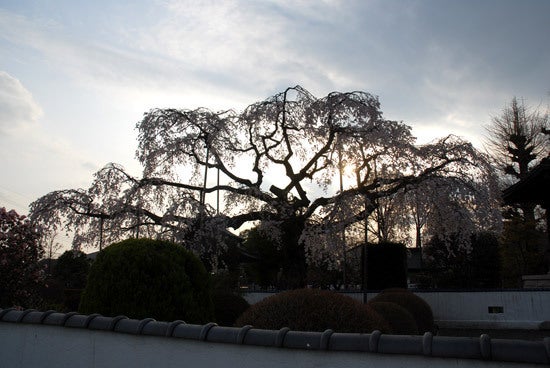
(517, 142)
(278, 161)
(516, 139)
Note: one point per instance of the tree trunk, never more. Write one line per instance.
(293, 274)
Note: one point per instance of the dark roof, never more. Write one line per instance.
(533, 188)
(482, 348)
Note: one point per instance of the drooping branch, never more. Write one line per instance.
(278, 162)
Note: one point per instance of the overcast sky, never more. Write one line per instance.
(75, 76)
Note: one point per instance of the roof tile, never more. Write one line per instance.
(428, 345)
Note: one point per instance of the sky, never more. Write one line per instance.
(76, 76)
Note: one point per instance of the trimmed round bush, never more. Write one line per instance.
(400, 321)
(312, 310)
(416, 306)
(228, 307)
(142, 278)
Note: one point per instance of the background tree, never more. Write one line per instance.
(72, 269)
(277, 160)
(517, 142)
(265, 259)
(454, 266)
(50, 246)
(21, 273)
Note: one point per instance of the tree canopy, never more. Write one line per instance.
(20, 253)
(517, 139)
(277, 164)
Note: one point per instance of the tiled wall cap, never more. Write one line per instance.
(280, 339)
(485, 346)
(128, 326)
(242, 334)
(349, 342)
(77, 320)
(155, 328)
(400, 344)
(67, 316)
(205, 329)
(172, 326)
(260, 337)
(506, 350)
(3, 312)
(142, 324)
(54, 319)
(302, 340)
(24, 314)
(114, 322)
(456, 347)
(45, 315)
(31, 317)
(103, 323)
(325, 339)
(11, 315)
(188, 331)
(428, 345)
(427, 340)
(374, 340)
(90, 318)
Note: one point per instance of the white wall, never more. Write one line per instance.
(34, 346)
(522, 309)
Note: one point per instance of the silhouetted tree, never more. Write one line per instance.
(516, 143)
(21, 273)
(277, 160)
(454, 266)
(72, 269)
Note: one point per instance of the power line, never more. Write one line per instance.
(14, 199)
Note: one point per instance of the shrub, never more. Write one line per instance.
(312, 310)
(400, 321)
(416, 306)
(143, 278)
(228, 307)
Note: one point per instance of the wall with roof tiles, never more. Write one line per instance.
(50, 339)
(490, 309)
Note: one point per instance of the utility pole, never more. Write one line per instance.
(341, 169)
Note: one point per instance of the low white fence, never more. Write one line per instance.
(490, 309)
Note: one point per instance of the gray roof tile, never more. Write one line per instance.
(349, 342)
(482, 348)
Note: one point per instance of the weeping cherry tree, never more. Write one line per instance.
(276, 163)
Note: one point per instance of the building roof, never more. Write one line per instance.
(482, 348)
(532, 188)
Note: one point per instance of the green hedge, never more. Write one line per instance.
(228, 307)
(312, 310)
(142, 278)
(416, 306)
(400, 321)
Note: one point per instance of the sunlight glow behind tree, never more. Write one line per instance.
(278, 160)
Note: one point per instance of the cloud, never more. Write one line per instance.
(18, 109)
(425, 61)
